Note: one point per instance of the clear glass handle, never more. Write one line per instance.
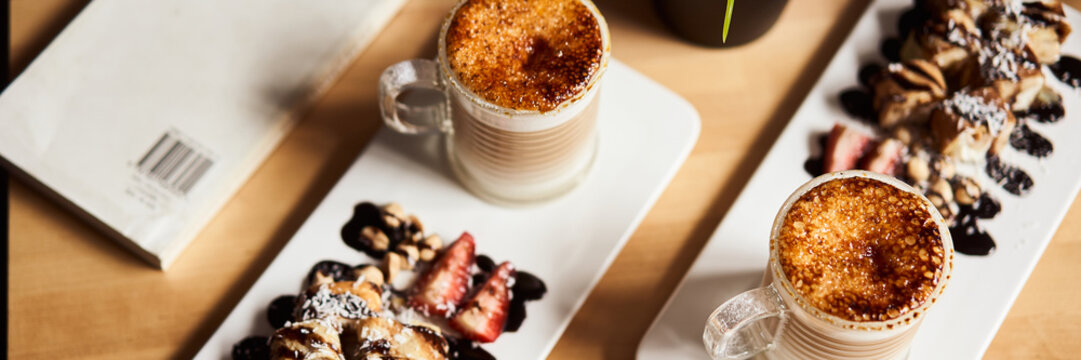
(745, 325)
(417, 76)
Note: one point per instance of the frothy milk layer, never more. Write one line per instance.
(525, 55)
(861, 250)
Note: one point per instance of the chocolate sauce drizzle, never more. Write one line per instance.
(1030, 142)
(858, 103)
(368, 214)
(365, 214)
(252, 348)
(969, 238)
(911, 19)
(891, 49)
(1068, 70)
(814, 164)
(280, 310)
(868, 73)
(1010, 177)
(1045, 112)
(337, 270)
(485, 263)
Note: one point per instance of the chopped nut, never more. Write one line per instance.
(411, 253)
(967, 191)
(371, 274)
(937, 201)
(433, 242)
(950, 212)
(379, 240)
(947, 210)
(917, 169)
(940, 204)
(413, 219)
(947, 214)
(391, 273)
(427, 254)
(942, 188)
(393, 264)
(395, 209)
(903, 134)
(392, 221)
(417, 237)
(944, 168)
(400, 260)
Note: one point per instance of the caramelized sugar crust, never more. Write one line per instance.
(525, 54)
(861, 250)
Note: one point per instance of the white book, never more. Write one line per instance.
(147, 116)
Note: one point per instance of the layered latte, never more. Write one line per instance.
(525, 120)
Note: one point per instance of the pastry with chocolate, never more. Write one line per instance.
(902, 91)
(970, 125)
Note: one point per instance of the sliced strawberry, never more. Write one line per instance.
(844, 148)
(884, 159)
(483, 316)
(444, 286)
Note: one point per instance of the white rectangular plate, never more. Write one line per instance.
(646, 133)
(963, 323)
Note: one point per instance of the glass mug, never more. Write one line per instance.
(775, 321)
(503, 155)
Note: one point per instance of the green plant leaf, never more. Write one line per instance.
(727, 20)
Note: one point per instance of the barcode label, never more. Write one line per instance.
(174, 164)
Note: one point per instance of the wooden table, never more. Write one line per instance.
(74, 293)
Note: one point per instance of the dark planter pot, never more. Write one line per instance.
(702, 21)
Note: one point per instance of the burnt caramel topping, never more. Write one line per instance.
(861, 250)
(525, 55)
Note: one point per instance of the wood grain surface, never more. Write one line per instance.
(75, 294)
